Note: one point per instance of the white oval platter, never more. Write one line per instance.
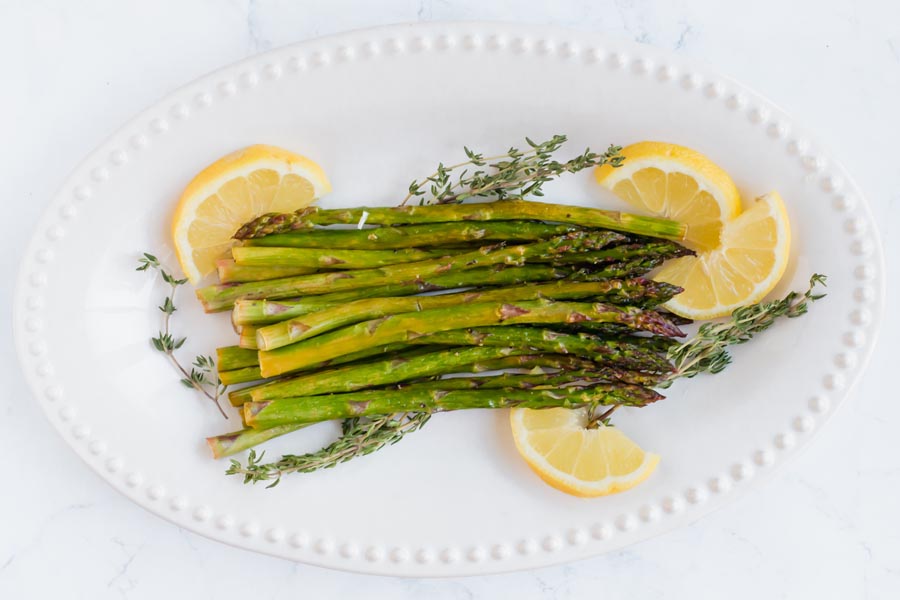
(378, 108)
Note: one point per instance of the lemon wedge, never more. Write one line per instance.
(677, 183)
(233, 190)
(740, 255)
(752, 258)
(558, 446)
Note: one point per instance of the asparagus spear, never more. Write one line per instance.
(238, 397)
(300, 328)
(527, 381)
(538, 363)
(635, 353)
(500, 210)
(656, 343)
(664, 250)
(676, 319)
(429, 235)
(314, 258)
(240, 375)
(406, 326)
(639, 353)
(232, 443)
(314, 409)
(266, 312)
(356, 377)
(615, 329)
(229, 272)
(530, 360)
(512, 380)
(222, 297)
(229, 358)
(382, 372)
(252, 372)
(261, 312)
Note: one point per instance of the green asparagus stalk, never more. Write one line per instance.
(616, 329)
(382, 372)
(240, 375)
(501, 210)
(676, 319)
(406, 326)
(624, 252)
(338, 259)
(252, 372)
(300, 328)
(535, 363)
(530, 382)
(429, 235)
(512, 380)
(234, 357)
(655, 343)
(263, 312)
(238, 397)
(237, 441)
(399, 352)
(639, 353)
(314, 409)
(634, 353)
(222, 297)
(637, 364)
(229, 272)
(525, 361)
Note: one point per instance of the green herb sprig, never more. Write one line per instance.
(706, 352)
(517, 173)
(359, 436)
(202, 375)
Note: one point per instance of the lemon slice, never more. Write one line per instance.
(233, 190)
(751, 259)
(740, 256)
(677, 183)
(559, 447)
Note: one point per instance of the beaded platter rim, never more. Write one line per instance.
(679, 507)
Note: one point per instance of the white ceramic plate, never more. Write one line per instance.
(377, 108)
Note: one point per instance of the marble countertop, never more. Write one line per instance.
(825, 527)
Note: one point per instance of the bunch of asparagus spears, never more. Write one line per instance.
(525, 304)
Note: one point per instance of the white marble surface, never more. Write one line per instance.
(825, 527)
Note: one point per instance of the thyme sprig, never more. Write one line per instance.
(516, 173)
(202, 375)
(359, 436)
(706, 352)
